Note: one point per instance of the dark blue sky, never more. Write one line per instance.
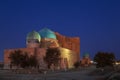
(96, 22)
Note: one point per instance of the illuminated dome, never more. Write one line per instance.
(47, 33)
(33, 35)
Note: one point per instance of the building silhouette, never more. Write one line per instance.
(38, 42)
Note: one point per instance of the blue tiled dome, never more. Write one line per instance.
(86, 55)
(47, 33)
(33, 35)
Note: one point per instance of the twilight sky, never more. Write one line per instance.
(96, 22)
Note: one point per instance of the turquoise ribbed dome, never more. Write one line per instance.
(33, 35)
(86, 55)
(47, 33)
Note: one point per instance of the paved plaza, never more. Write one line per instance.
(81, 74)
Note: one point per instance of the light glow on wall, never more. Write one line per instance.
(66, 53)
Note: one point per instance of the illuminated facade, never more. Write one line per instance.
(38, 42)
